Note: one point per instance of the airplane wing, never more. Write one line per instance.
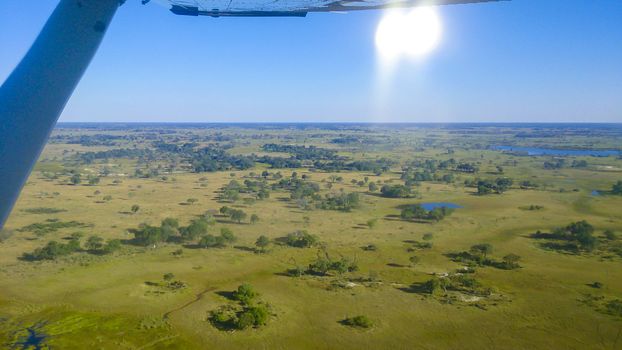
(292, 8)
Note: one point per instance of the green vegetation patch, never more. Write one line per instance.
(43, 210)
(52, 225)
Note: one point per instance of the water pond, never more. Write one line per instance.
(535, 151)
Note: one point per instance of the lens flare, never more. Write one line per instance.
(412, 34)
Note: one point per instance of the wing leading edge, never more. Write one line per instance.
(293, 8)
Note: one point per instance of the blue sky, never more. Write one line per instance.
(518, 61)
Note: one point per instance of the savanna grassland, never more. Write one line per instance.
(312, 236)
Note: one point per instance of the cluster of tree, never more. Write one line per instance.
(183, 149)
(281, 163)
(147, 235)
(396, 191)
(88, 140)
(237, 215)
(301, 239)
(51, 225)
(302, 152)
(617, 188)
(250, 311)
(54, 249)
(262, 244)
(433, 164)
(578, 236)
(376, 166)
(456, 282)
(298, 188)
(259, 189)
(412, 177)
(225, 238)
(169, 230)
(417, 212)
(210, 159)
(527, 184)
(96, 245)
(339, 201)
(479, 255)
(324, 264)
(131, 153)
(485, 187)
(554, 164)
(467, 168)
(171, 283)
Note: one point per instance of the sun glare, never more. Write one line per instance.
(414, 34)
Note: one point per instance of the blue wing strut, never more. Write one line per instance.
(35, 94)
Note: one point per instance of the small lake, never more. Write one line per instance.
(595, 193)
(535, 151)
(433, 205)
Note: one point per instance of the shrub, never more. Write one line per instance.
(396, 191)
(253, 316)
(358, 321)
(301, 239)
(245, 294)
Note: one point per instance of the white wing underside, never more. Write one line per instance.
(292, 7)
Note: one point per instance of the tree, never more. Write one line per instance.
(112, 246)
(245, 294)
(254, 219)
(482, 249)
(170, 222)
(191, 201)
(53, 250)
(371, 223)
(193, 231)
(372, 187)
(358, 322)
(511, 261)
(610, 235)
(396, 191)
(94, 243)
(211, 241)
(253, 316)
(225, 211)
(414, 260)
(238, 215)
(227, 235)
(75, 179)
(262, 243)
(149, 235)
(617, 188)
(301, 239)
(168, 276)
(135, 208)
(93, 180)
(77, 236)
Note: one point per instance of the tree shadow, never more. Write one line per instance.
(246, 249)
(227, 294)
(396, 265)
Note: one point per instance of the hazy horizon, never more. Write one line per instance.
(496, 62)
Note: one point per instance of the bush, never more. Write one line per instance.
(396, 191)
(614, 307)
(301, 239)
(358, 321)
(254, 316)
(53, 250)
(245, 294)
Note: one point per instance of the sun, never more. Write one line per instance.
(415, 33)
